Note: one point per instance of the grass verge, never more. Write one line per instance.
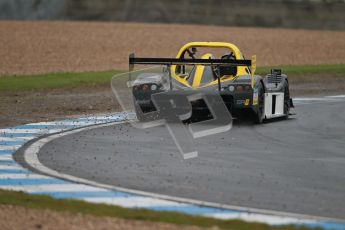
(56, 81)
(74, 206)
(94, 79)
(297, 70)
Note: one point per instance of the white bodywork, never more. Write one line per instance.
(274, 105)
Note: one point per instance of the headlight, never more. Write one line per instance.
(231, 88)
(153, 87)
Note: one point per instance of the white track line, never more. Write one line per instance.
(6, 157)
(11, 167)
(16, 138)
(104, 117)
(328, 99)
(132, 202)
(253, 217)
(52, 188)
(10, 147)
(337, 96)
(69, 123)
(33, 131)
(22, 176)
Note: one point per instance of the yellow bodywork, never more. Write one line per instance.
(199, 71)
(241, 70)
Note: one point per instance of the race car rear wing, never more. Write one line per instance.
(179, 61)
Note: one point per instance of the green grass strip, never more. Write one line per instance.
(55, 81)
(304, 69)
(94, 79)
(74, 206)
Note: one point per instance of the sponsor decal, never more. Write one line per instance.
(246, 103)
(240, 102)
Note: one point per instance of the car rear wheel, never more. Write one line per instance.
(260, 113)
(286, 100)
(139, 114)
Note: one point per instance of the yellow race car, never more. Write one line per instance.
(215, 66)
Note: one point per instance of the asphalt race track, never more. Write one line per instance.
(295, 165)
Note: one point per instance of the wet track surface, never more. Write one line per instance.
(295, 165)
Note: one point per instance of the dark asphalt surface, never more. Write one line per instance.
(295, 165)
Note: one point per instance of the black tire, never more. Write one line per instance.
(139, 115)
(286, 100)
(260, 112)
(145, 114)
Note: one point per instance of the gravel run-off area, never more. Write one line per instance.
(41, 47)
